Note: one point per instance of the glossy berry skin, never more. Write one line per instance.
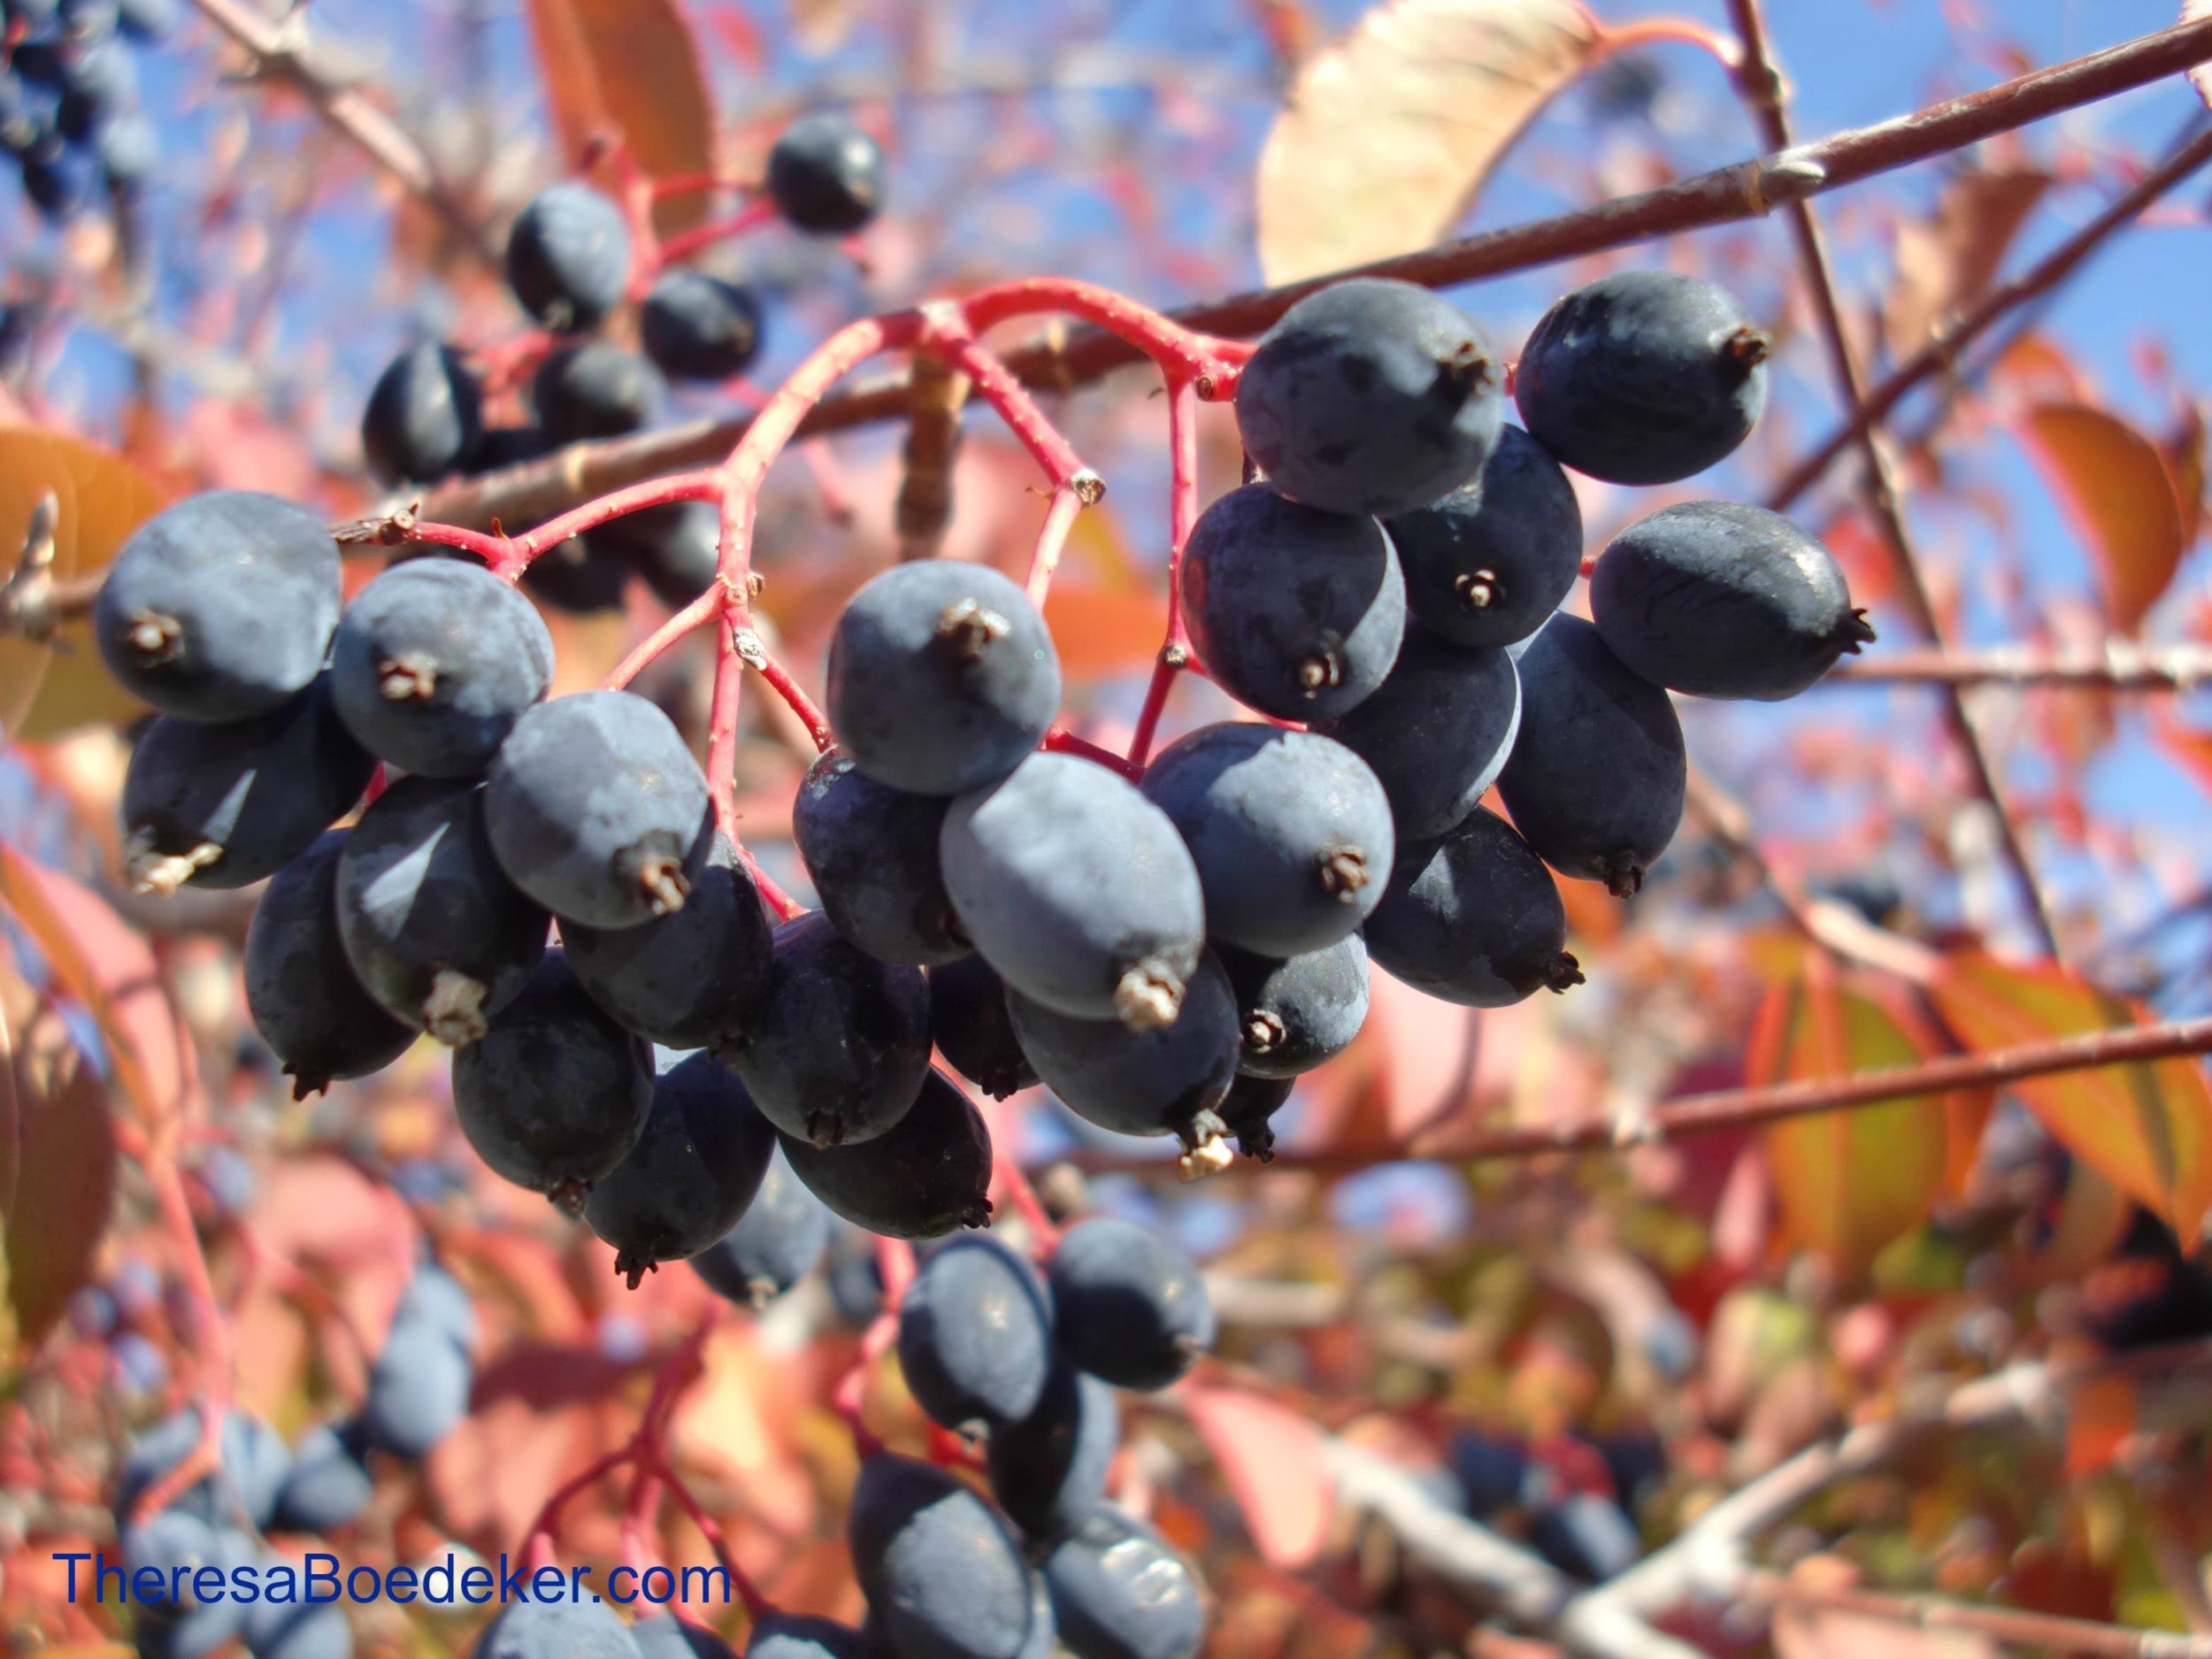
(572, 1630)
(1247, 1112)
(328, 1485)
(1721, 600)
(433, 663)
(774, 1245)
(797, 1636)
(419, 1390)
(1132, 1309)
(1120, 1592)
(1484, 566)
(1049, 1469)
(596, 810)
(922, 1177)
(826, 175)
(555, 1093)
(1291, 833)
(968, 1023)
(221, 607)
(1165, 1079)
(837, 1049)
(304, 998)
(871, 851)
(942, 1574)
(1473, 918)
(1644, 377)
(431, 927)
(425, 416)
(975, 1334)
(1077, 890)
(687, 979)
(1296, 613)
(698, 328)
(595, 390)
(1587, 1536)
(1370, 397)
(1437, 732)
(222, 806)
(1598, 774)
(942, 677)
(1294, 1013)
(691, 1174)
(568, 256)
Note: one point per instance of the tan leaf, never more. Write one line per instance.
(1946, 262)
(2115, 488)
(1389, 134)
(2201, 77)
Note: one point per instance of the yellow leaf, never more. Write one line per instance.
(1389, 134)
(2117, 491)
(2146, 1127)
(1847, 1183)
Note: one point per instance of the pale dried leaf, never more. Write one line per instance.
(1946, 262)
(2201, 77)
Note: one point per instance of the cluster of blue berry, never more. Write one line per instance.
(69, 109)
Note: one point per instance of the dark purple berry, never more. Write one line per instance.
(1294, 1014)
(698, 328)
(968, 1023)
(1489, 562)
(425, 416)
(826, 175)
(871, 851)
(1473, 918)
(975, 1334)
(926, 1175)
(687, 979)
(568, 256)
(1163, 1079)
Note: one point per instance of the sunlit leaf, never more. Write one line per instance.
(1102, 630)
(1849, 1182)
(1271, 1458)
(631, 67)
(1389, 134)
(1946, 263)
(54, 1225)
(2114, 488)
(2147, 1127)
(2184, 454)
(48, 687)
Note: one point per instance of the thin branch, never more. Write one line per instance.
(1750, 189)
(2046, 1632)
(1746, 1108)
(2122, 665)
(279, 50)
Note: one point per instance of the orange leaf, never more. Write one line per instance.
(1847, 1183)
(2147, 1128)
(1271, 1458)
(47, 689)
(2113, 484)
(2092, 1218)
(2100, 1415)
(107, 968)
(2184, 455)
(633, 67)
(1389, 134)
(1102, 630)
(1946, 262)
(55, 1222)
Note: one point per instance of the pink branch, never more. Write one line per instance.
(1175, 655)
(1180, 351)
(749, 218)
(1052, 540)
(996, 384)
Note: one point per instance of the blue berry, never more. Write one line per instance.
(1370, 397)
(1486, 564)
(837, 1049)
(1296, 613)
(1587, 1536)
(797, 1636)
(1291, 833)
(595, 390)
(178, 1545)
(1162, 1080)
(942, 677)
(285, 1629)
(424, 416)
(688, 978)
(1598, 774)
(1077, 890)
(871, 851)
(146, 22)
(1643, 377)
(435, 1298)
(597, 810)
(434, 930)
(223, 806)
(555, 1093)
(221, 607)
(1248, 1109)
(419, 1390)
(775, 1243)
(327, 1486)
(1437, 731)
(922, 1177)
(583, 576)
(826, 175)
(698, 328)
(1049, 1469)
(1132, 1308)
(691, 1174)
(555, 1630)
(968, 1023)
(1473, 918)
(99, 82)
(1494, 1475)
(1294, 1013)
(568, 256)
(128, 148)
(1722, 600)
(241, 1491)
(676, 546)
(1120, 1592)
(938, 1565)
(975, 1334)
(433, 663)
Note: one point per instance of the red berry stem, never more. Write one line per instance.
(756, 1606)
(795, 698)
(1175, 655)
(698, 614)
(951, 338)
(1060, 741)
(1177, 349)
(1013, 1182)
(1052, 540)
(786, 907)
(895, 1263)
(680, 247)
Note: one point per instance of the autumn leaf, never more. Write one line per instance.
(631, 67)
(1271, 1458)
(2115, 489)
(2146, 1127)
(48, 687)
(1946, 263)
(2199, 77)
(54, 1224)
(1102, 630)
(1389, 134)
(1850, 1182)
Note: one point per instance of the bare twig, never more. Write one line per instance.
(2046, 1632)
(1750, 189)
(279, 50)
(2122, 665)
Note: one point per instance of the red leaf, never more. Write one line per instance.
(55, 1224)
(2115, 488)
(1271, 1458)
